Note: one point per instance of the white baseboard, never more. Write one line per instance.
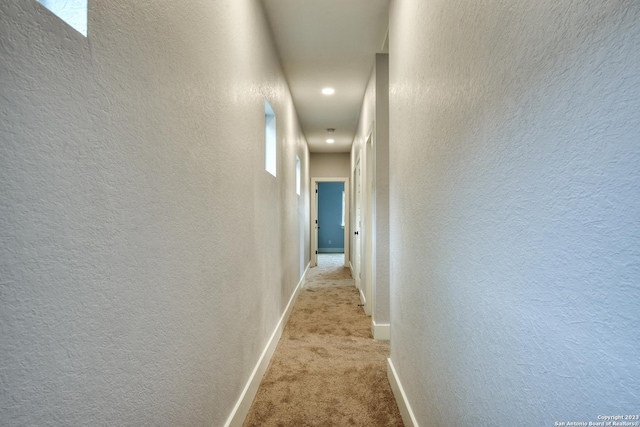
(240, 411)
(408, 418)
(363, 300)
(380, 331)
(351, 269)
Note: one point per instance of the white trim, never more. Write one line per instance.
(408, 418)
(368, 202)
(380, 331)
(363, 299)
(314, 217)
(240, 411)
(351, 268)
(357, 220)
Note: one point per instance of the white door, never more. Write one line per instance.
(357, 255)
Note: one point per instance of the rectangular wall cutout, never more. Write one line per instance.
(270, 138)
(73, 12)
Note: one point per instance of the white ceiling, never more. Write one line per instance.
(328, 43)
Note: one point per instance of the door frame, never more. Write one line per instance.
(369, 202)
(365, 265)
(314, 217)
(358, 230)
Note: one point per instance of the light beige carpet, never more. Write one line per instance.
(327, 370)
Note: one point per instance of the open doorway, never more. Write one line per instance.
(330, 220)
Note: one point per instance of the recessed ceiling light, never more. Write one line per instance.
(328, 91)
(330, 141)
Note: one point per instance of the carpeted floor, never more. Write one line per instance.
(327, 370)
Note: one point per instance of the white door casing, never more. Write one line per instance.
(314, 251)
(314, 218)
(369, 218)
(357, 228)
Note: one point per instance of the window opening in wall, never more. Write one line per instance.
(270, 138)
(298, 176)
(73, 12)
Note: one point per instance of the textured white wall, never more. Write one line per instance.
(381, 157)
(329, 165)
(146, 255)
(375, 112)
(515, 207)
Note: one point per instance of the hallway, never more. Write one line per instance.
(157, 210)
(327, 370)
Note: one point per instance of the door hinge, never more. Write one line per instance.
(316, 252)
